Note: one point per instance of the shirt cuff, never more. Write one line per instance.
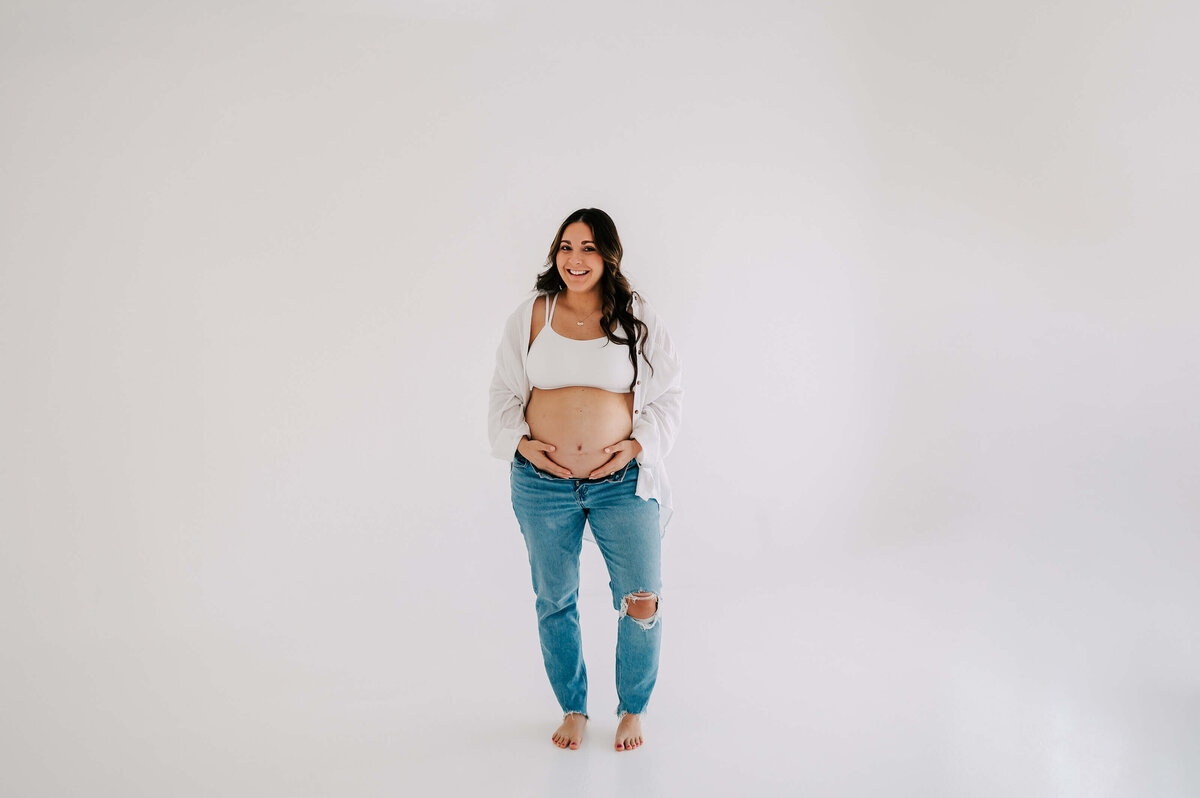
(644, 435)
(506, 442)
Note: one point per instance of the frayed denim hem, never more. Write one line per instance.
(575, 712)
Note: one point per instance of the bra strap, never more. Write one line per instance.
(550, 309)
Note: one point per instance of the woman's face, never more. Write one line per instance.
(579, 263)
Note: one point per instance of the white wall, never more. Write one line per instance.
(928, 267)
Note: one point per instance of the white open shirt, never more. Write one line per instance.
(657, 399)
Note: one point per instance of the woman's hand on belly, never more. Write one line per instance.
(537, 453)
(622, 453)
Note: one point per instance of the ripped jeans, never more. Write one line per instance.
(552, 511)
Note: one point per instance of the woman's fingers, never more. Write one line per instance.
(549, 465)
(541, 459)
(622, 452)
(614, 463)
(609, 464)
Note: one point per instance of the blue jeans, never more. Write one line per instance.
(552, 511)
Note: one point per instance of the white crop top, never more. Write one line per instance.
(555, 361)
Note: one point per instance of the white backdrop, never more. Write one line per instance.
(929, 271)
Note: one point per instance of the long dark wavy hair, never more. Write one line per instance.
(615, 293)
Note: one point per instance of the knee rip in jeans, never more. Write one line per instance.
(639, 603)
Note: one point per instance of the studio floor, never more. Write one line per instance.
(968, 670)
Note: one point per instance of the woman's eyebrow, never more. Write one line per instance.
(584, 241)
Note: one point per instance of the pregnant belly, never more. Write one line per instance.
(580, 422)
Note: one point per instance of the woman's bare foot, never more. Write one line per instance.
(570, 733)
(629, 733)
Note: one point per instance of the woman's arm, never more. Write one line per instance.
(656, 426)
(508, 393)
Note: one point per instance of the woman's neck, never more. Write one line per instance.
(589, 302)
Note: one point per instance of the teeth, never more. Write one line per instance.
(577, 274)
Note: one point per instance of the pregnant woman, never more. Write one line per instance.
(585, 404)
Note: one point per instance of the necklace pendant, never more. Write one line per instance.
(579, 323)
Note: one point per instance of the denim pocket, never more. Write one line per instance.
(519, 461)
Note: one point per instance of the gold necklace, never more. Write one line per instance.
(585, 318)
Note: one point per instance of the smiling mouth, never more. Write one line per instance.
(578, 274)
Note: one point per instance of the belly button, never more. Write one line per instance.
(579, 448)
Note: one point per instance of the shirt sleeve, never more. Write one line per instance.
(508, 394)
(657, 424)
